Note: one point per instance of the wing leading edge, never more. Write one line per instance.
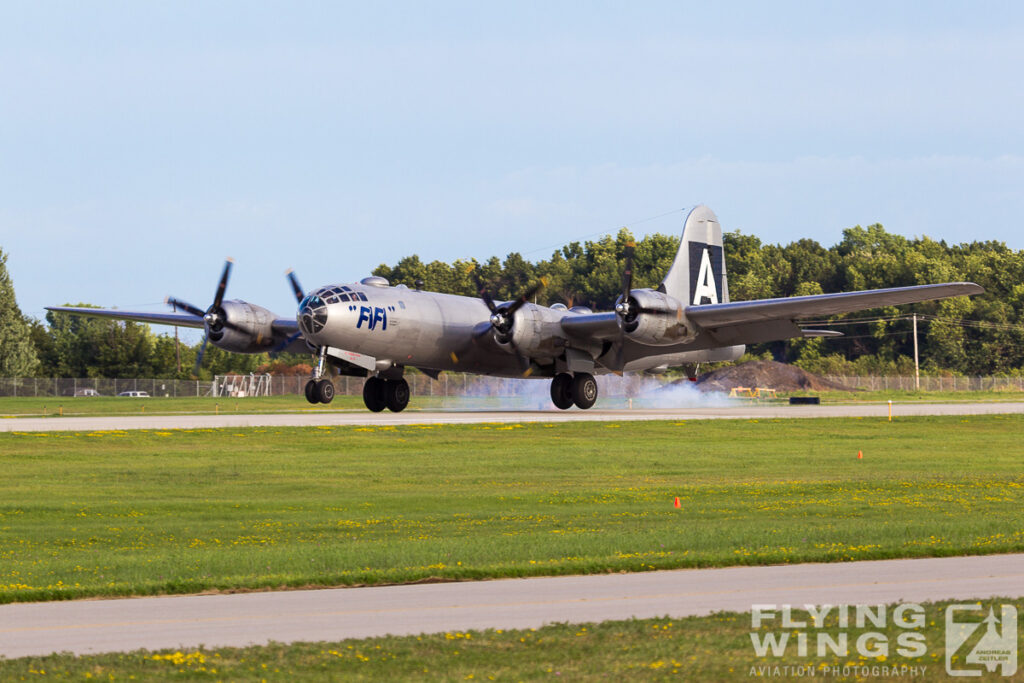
(175, 319)
(794, 308)
(282, 327)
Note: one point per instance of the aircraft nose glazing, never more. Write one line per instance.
(312, 315)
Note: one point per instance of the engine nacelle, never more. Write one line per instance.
(535, 332)
(255, 331)
(656, 319)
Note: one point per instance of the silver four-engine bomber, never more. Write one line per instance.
(373, 330)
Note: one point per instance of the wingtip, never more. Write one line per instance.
(289, 271)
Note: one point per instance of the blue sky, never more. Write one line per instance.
(142, 143)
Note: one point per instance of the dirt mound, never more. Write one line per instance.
(766, 373)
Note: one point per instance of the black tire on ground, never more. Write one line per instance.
(561, 391)
(311, 391)
(396, 395)
(584, 390)
(325, 390)
(373, 394)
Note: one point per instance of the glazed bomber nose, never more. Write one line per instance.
(312, 315)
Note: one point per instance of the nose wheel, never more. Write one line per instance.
(568, 390)
(319, 391)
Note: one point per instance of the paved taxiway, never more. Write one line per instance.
(359, 418)
(87, 626)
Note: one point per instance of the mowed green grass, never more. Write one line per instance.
(50, 406)
(713, 648)
(132, 513)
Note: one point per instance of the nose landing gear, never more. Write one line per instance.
(320, 389)
(579, 389)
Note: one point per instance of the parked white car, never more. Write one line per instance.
(135, 394)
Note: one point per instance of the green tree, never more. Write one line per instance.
(17, 352)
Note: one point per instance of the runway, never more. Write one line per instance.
(91, 626)
(362, 418)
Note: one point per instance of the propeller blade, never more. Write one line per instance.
(527, 295)
(296, 287)
(199, 357)
(483, 293)
(185, 306)
(524, 362)
(285, 344)
(627, 272)
(223, 284)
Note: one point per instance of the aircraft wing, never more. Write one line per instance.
(750, 322)
(592, 326)
(286, 326)
(175, 319)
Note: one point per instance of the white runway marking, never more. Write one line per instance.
(91, 626)
(360, 418)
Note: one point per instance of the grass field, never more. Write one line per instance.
(204, 405)
(148, 512)
(713, 648)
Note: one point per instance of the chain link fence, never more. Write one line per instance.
(931, 383)
(60, 386)
(447, 385)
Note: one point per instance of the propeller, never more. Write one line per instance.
(627, 308)
(502, 318)
(214, 317)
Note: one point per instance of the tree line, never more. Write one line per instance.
(982, 335)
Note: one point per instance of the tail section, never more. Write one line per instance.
(697, 275)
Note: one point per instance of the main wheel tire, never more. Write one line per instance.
(396, 395)
(325, 390)
(584, 390)
(311, 391)
(373, 394)
(561, 391)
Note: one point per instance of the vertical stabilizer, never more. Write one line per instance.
(697, 275)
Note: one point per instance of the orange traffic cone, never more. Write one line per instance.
(677, 503)
(860, 455)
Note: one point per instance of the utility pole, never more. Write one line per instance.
(917, 368)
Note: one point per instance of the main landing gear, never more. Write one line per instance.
(379, 393)
(579, 389)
